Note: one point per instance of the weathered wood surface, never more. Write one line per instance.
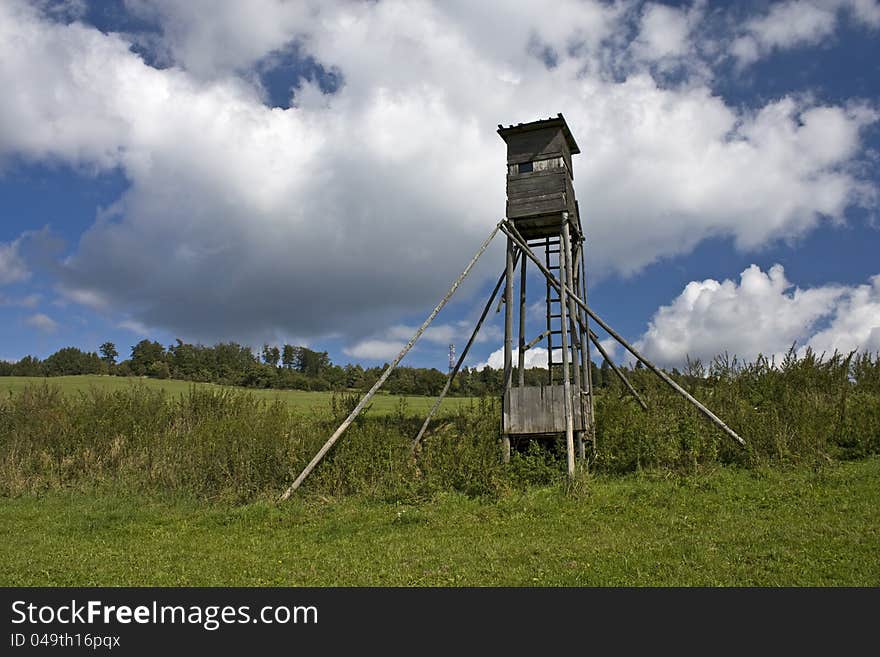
(535, 144)
(532, 207)
(538, 140)
(521, 364)
(587, 379)
(538, 410)
(571, 206)
(508, 314)
(571, 325)
(535, 183)
(548, 304)
(556, 162)
(567, 405)
(541, 196)
(508, 336)
(534, 196)
(537, 339)
(538, 226)
(532, 180)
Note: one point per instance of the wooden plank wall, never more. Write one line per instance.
(537, 144)
(539, 409)
(539, 192)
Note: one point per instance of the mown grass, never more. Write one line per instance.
(300, 400)
(724, 526)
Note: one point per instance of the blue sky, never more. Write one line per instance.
(320, 174)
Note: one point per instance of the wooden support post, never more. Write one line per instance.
(536, 340)
(666, 379)
(521, 365)
(409, 345)
(508, 343)
(566, 384)
(461, 358)
(572, 326)
(510, 230)
(586, 361)
(549, 322)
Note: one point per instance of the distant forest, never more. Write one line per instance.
(283, 367)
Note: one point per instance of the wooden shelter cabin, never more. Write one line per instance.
(542, 207)
(539, 176)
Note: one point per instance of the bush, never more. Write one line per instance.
(159, 370)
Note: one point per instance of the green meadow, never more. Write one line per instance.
(725, 527)
(109, 481)
(296, 399)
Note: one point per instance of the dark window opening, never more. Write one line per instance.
(525, 167)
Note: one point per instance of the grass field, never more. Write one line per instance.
(303, 400)
(105, 481)
(724, 527)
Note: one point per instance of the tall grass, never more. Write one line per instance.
(232, 445)
(806, 409)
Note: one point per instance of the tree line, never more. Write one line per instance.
(275, 366)
(300, 368)
(229, 363)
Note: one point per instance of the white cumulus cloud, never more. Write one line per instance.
(799, 23)
(664, 31)
(12, 265)
(42, 322)
(244, 221)
(855, 324)
(535, 357)
(375, 349)
(762, 314)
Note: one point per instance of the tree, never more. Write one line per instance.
(288, 356)
(185, 359)
(109, 353)
(271, 355)
(159, 370)
(71, 360)
(312, 363)
(604, 374)
(29, 366)
(354, 376)
(231, 361)
(144, 354)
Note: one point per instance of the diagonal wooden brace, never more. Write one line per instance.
(510, 230)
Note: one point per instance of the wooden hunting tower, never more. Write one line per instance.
(542, 208)
(542, 214)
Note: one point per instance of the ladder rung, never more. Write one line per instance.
(554, 316)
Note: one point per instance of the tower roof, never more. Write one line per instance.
(542, 124)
